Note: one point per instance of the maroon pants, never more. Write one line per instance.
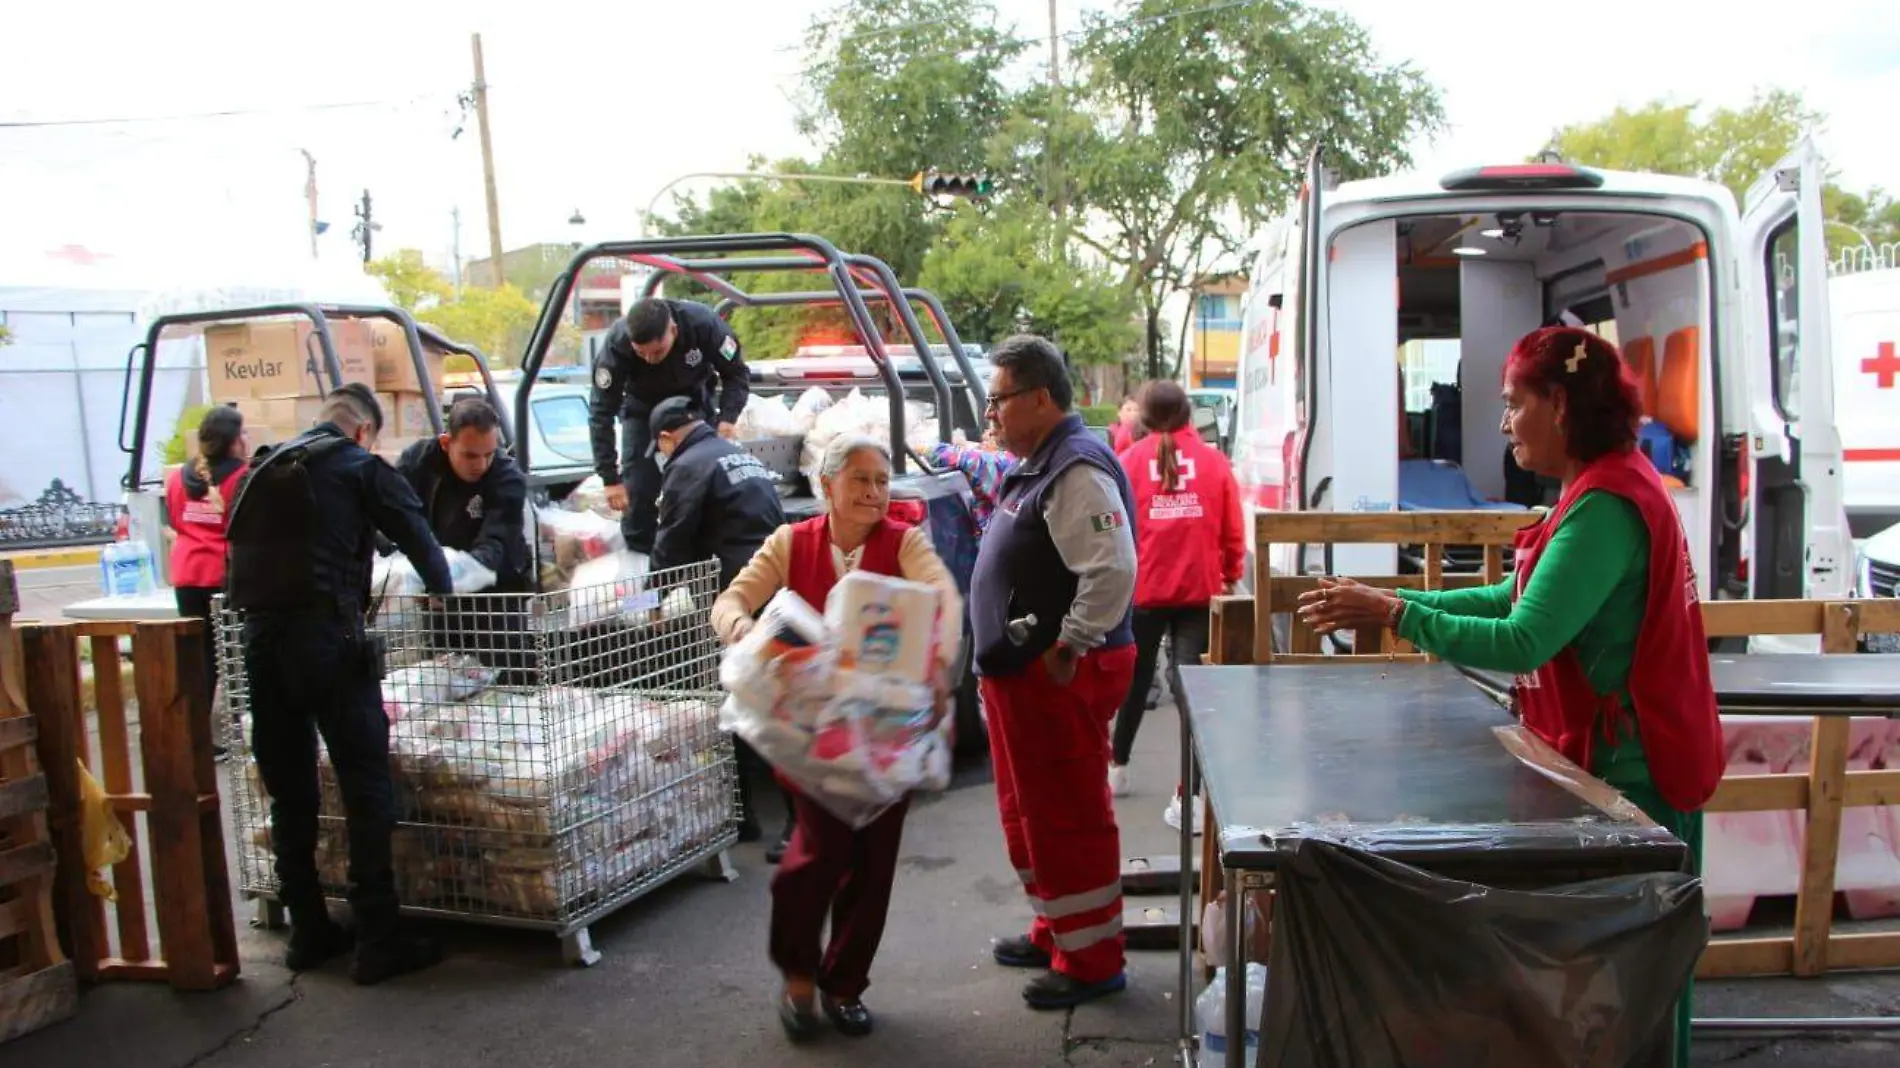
(831, 869)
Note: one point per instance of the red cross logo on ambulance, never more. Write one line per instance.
(1884, 365)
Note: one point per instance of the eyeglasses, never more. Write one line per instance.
(997, 399)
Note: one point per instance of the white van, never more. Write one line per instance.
(1723, 314)
(1866, 307)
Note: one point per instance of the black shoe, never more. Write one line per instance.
(391, 957)
(776, 851)
(1053, 990)
(800, 1023)
(1019, 952)
(849, 1017)
(749, 831)
(312, 945)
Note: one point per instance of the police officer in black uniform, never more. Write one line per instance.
(660, 349)
(473, 493)
(717, 501)
(302, 534)
(476, 500)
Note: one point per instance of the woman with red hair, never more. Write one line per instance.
(1600, 621)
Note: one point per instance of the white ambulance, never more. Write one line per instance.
(1866, 307)
(1722, 313)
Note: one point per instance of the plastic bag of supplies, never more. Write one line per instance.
(846, 729)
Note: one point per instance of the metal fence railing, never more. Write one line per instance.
(57, 519)
(556, 756)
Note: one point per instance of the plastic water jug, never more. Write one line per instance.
(1210, 1009)
(126, 569)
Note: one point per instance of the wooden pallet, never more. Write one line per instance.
(195, 947)
(38, 985)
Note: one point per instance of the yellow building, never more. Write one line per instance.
(1214, 334)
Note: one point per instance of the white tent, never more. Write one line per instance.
(75, 315)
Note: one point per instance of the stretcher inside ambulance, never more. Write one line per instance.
(1722, 314)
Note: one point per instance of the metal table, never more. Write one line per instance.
(1807, 685)
(1400, 758)
(1775, 684)
(159, 605)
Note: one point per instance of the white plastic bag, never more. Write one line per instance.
(807, 408)
(767, 417)
(569, 539)
(855, 741)
(1214, 934)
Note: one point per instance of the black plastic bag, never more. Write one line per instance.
(1376, 964)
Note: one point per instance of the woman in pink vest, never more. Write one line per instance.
(831, 870)
(1600, 621)
(198, 498)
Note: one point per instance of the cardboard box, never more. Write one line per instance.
(406, 415)
(278, 359)
(395, 370)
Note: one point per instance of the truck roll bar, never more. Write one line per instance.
(660, 253)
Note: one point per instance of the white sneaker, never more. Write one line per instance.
(1118, 780)
(1172, 815)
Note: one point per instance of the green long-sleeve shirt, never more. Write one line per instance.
(1588, 591)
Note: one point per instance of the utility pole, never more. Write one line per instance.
(310, 194)
(366, 225)
(488, 163)
(455, 247)
(1057, 186)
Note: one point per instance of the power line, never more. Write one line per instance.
(227, 114)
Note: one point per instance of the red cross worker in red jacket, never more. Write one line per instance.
(198, 498)
(1192, 547)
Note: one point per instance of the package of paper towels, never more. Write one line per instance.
(885, 626)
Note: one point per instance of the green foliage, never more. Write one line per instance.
(183, 443)
(1183, 126)
(1006, 271)
(1100, 414)
(1178, 156)
(6, 336)
(411, 283)
(1732, 146)
(495, 321)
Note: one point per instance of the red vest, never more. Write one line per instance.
(1669, 684)
(813, 572)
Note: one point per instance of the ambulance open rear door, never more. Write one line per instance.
(1801, 546)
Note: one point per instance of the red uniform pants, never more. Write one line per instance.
(1049, 745)
(831, 869)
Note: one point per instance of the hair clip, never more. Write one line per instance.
(1571, 364)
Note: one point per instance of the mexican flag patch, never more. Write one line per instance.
(1106, 522)
(729, 347)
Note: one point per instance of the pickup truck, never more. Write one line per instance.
(940, 500)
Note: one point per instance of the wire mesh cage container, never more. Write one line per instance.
(555, 755)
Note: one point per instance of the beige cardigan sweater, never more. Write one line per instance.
(770, 568)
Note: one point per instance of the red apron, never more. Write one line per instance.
(1669, 686)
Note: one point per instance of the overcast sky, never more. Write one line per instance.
(596, 105)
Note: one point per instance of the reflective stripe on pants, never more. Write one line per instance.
(1049, 745)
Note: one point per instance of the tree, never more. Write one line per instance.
(891, 87)
(1732, 146)
(1193, 124)
(1002, 272)
(495, 321)
(411, 283)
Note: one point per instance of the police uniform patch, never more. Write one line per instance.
(475, 507)
(693, 357)
(729, 347)
(603, 376)
(1106, 522)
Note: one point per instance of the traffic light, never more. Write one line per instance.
(968, 186)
